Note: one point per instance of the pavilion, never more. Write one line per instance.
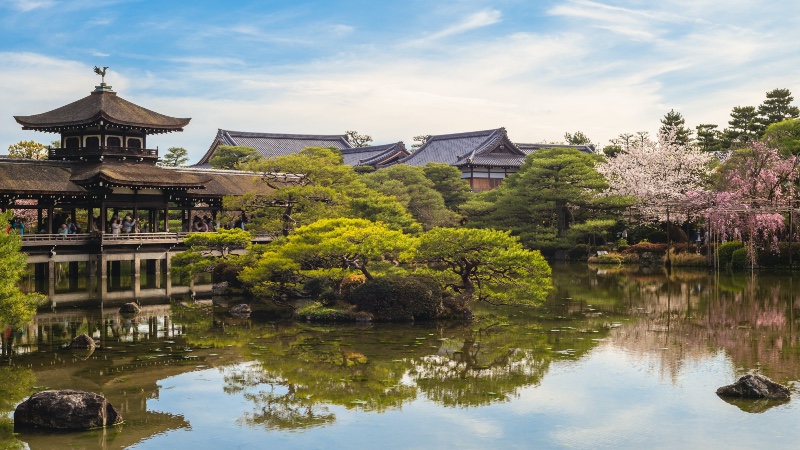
(104, 166)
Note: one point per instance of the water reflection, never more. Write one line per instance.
(283, 376)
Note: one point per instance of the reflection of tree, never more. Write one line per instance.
(16, 384)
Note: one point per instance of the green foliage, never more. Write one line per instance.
(744, 126)
(777, 107)
(739, 259)
(725, 252)
(781, 257)
(327, 189)
(358, 140)
(419, 141)
(27, 150)
(175, 157)
(673, 120)
(489, 265)
(207, 250)
(554, 189)
(319, 312)
(399, 298)
(785, 136)
(578, 138)
(16, 308)
(409, 185)
(612, 150)
(233, 157)
(579, 252)
(709, 139)
(447, 181)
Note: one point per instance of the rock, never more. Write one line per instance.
(82, 341)
(219, 288)
(754, 385)
(65, 410)
(242, 310)
(130, 308)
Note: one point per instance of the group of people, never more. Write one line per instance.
(16, 225)
(125, 225)
(203, 224)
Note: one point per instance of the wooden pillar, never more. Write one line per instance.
(137, 283)
(50, 219)
(168, 265)
(39, 224)
(166, 219)
(103, 278)
(51, 278)
(157, 273)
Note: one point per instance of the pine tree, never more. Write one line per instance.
(777, 107)
(709, 139)
(674, 121)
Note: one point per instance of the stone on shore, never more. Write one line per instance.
(754, 385)
(65, 410)
(83, 341)
(241, 310)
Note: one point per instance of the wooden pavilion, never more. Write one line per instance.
(104, 166)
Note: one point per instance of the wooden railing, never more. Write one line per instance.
(73, 153)
(33, 240)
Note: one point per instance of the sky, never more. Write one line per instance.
(398, 69)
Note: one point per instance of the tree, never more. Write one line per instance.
(658, 174)
(578, 138)
(486, 265)
(16, 308)
(207, 250)
(612, 150)
(777, 107)
(709, 139)
(233, 157)
(554, 189)
(447, 181)
(674, 121)
(413, 190)
(745, 127)
(324, 188)
(785, 136)
(358, 140)
(27, 150)
(420, 141)
(175, 157)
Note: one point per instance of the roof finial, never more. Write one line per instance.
(102, 72)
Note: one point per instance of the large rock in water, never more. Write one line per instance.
(242, 310)
(66, 410)
(82, 341)
(754, 385)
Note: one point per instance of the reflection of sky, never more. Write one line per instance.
(608, 399)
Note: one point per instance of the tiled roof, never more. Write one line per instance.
(227, 182)
(136, 175)
(102, 105)
(26, 176)
(271, 145)
(489, 146)
(530, 148)
(374, 155)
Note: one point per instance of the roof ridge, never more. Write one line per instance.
(463, 134)
(283, 135)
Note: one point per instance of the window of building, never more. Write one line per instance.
(92, 142)
(113, 141)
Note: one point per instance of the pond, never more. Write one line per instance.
(616, 358)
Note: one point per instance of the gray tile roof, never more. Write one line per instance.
(271, 145)
(530, 148)
(482, 148)
(374, 155)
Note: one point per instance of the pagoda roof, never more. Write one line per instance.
(26, 176)
(476, 148)
(270, 145)
(374, 155)
(137, 176)
(102, 104)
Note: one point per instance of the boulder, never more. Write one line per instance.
(130, 308)
(82, 341)
(754, 385)
(241, 310)
(65, 410)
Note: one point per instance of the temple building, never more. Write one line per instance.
(270, 145)
(484, 157)
(104, 166)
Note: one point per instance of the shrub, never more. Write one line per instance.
(399, 298)
(316, 286)
(611, 258)
(686, 259)
(647, 247)
(725, 251)
(580, 251)
(780, 258)
(317, 312)
(657, 236)
(227, 272)
(350, 282)
(739, 259)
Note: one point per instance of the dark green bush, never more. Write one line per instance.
(316, 286)
(226, 272)
(399, 298)
(739, 259)
(725, 251)
(771, 258)
(580, 251)
(657, 237)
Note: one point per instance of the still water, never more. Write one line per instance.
(617, 358)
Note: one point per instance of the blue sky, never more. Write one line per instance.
(396, 69)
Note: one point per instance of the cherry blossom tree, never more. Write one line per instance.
(660, 174)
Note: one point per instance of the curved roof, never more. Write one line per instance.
(102, 104)
(270, 145)
(374, 155)
(484, 148)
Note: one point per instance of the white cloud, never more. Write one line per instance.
(473, 21)
(30, 5)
